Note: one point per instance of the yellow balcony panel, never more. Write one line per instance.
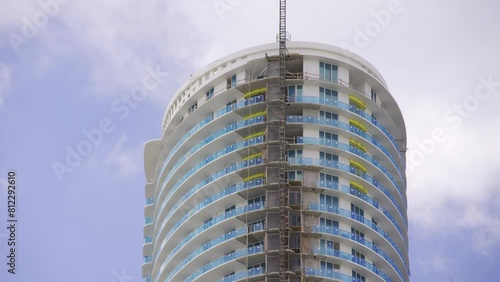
(255, 92)
(253, 156)
(358, 124)
(262, 133)
(358, 102)
(359, 187)
(263, 113)
(358, 166)
(357, 144)
(255, 176)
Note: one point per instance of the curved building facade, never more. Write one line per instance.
(211, 195)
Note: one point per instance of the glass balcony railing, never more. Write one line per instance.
(147, 259)
(230, 190)
(221, 260)
(359, 218)
(207, 120)
(208, 160)
(350, 108)
(148, 239)
(150, 201)
(209, 139)
(349, 257)
(342, 167)
(357, 193)
(206, 181)
(360, 240)
(219, 174)
(364, 197)
(243, 274)
(146, 278)
(348, 148)
(344, 126)
(330, 273)
(149, 220)
(207, 246)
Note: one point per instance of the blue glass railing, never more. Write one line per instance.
(349, 257)
(230, 190)
(213, 264)
(229, 149)
(350, 108)
(357, 193)
(364, 197)
(207, 120)
(146, 278)
(344, 126)
(347, 148)
(330, 273)
(360, 240)
(219, 174)
(209, 139)
(150, 201)
(148, 220)
(243, 274)
(207, 246)
(359, 218)
(147, 259)
(341, 167)
(148, 239)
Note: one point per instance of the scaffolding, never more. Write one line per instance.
(283, 188)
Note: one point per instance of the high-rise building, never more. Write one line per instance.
(212, 202)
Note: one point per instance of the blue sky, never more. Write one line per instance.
(70, 67)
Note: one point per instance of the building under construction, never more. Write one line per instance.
(282, 162)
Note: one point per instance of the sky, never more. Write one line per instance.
(72, 79)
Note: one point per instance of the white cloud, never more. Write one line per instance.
(455, 188)
(5, 83)
(124, 161)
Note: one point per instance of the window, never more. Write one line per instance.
(231, 82)
(357, 210)
(328, 266)
(295, 219)
(360, 235)
(356, 277)
(328, 115)
(295, 175)
(255, 247)
(294, 198)
(231, 105)
(292, 154)
(328, 200)
(329, 245)
(230, 211)
(210, 93)
(325, 177)
(256, 225)
(328, 136)
(328, 223)
(327, 95)
(294, 90)
(193, 107)
(328, 157)
(358, 257)
(295, 241)
(256, 203)
(374, 96)
(328, 72)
